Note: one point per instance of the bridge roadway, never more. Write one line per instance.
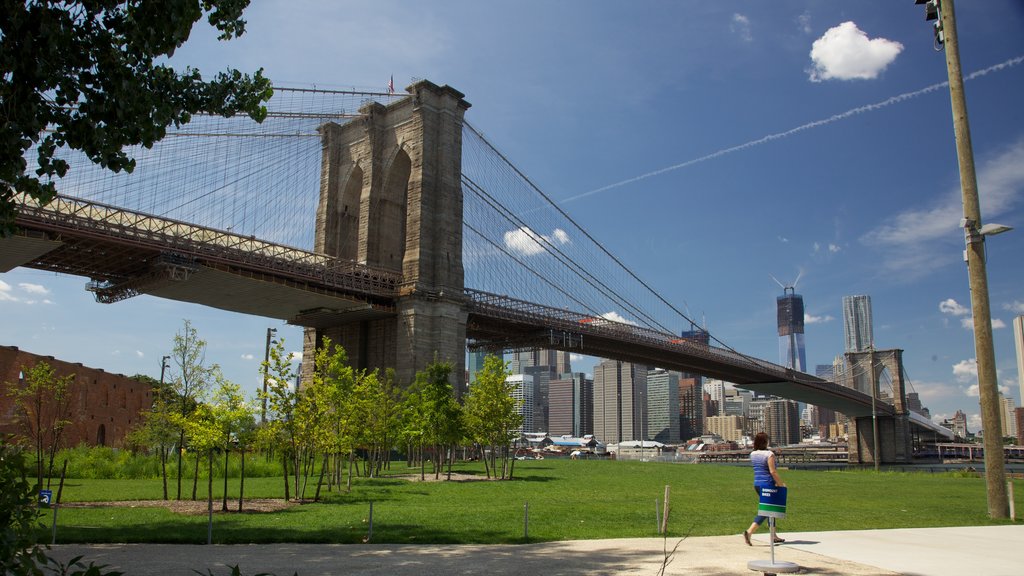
(126, 253)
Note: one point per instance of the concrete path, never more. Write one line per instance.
(988, 551)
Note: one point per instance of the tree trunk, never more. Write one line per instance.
(163, 468)
(195, 477)
(323, 468)
(181, 442)
(296, 467)
(209, 495)
(224, 502)
(284, 463)
(241, 483)
(351, 455)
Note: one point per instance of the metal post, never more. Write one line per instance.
(876, 457)
(995, 467)
(266, 359)
(526, 521)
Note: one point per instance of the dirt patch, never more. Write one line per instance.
(429, 477)
(190, 507)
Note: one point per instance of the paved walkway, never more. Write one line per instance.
(982, 551)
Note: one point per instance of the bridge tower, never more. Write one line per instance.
(866, 370)
(391, 197)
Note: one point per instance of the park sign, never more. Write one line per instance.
(772, 501)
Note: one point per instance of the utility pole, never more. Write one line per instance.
(995, 466)
(266, 371)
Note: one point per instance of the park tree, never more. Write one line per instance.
(380, 412)
(158, 429)
(92, 76)
(42, 408)
(189, 384)
(232, 418)
(335, 389)
(492, 416)
(280, 431)
(438, 413)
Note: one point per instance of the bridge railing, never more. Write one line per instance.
(94, 220)
(514, 309)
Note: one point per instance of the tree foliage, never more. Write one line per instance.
(190, 384)
(492, 417)
(84, 74)
(42, 405)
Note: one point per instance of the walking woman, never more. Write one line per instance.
(765, 475)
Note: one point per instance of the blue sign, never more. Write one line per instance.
(45, 497)
(772, 502)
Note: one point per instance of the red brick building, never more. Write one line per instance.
(104, 406)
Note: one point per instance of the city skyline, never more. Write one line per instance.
(704, 145)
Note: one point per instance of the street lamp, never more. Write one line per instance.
(266, 371)
(163, 368)
(995, 466)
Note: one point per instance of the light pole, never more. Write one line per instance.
(163, 368)
(974, 235)
(877, 457)
(266, 371)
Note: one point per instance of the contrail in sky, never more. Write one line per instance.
(779, 135)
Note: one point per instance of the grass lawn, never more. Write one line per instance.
(568, 500)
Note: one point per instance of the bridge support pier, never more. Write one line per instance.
(880, 374)
(391, 197)
(894, 440)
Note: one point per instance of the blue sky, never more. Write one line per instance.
(708, 145)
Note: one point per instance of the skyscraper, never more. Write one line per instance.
(857, 323)
(620, 397)
(663, 405)
(691, 392)
(544, 366)
(571, 405)
(791, 329)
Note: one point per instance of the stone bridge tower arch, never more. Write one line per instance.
(391, 197)
(866, 370)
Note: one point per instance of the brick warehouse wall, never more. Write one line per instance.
(105, 406)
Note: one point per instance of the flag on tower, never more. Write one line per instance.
(391, 85)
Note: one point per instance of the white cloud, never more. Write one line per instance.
(912, 241)
(974, 392)
(295, 356)
(528, 243)
(953, 308)
(5, 292)
(616, 317)
(803, 22)
(968, 323)
(33, 288)
(966, 370)
(974, 422)
(741, 27)
(845, 52)
(248, 357)
(140, 354)
(833, 248)
(8, 293)
(1017, 307)
(810, 319)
